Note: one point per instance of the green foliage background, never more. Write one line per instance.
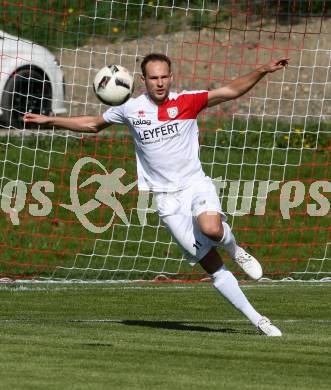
(70, 23)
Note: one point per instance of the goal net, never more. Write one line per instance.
(268, 152)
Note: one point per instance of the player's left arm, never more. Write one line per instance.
(241, 85)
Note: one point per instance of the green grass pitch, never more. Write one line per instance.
(163, 336)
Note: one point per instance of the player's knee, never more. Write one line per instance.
(213, 231)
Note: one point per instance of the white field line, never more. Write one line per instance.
(183, 322)
(20, 288)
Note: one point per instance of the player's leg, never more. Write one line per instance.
(227, 285)
(212, 223)
(212, 226)
(197, 247)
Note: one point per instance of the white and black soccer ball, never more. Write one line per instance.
(113, 85)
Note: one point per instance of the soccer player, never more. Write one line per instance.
(165, 132)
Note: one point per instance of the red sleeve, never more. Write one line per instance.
(201, 100)
(185, 106)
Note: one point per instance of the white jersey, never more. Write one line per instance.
(166, 139)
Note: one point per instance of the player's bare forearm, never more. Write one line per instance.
(241, 85)
(81, 124)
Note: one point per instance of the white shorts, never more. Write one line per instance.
(179, 210)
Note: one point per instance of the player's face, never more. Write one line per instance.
(157, 81)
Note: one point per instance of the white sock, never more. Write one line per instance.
(228, 286)
(228, 242)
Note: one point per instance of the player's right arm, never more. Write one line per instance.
(80, 124)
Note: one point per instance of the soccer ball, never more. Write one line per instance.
(113, 85)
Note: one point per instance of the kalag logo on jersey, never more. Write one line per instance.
(172, 112)
(140, 122)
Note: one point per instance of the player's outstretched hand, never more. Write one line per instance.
(35, 118)
(276, 64)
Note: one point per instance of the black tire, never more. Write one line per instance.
(27, 90)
